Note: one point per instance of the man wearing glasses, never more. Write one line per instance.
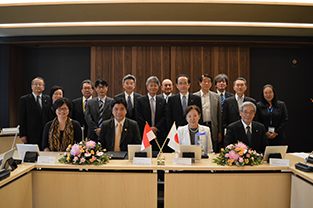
(250, 132)
(98, 109)
(80, 104)
(32, 115)
(178, 103)
(232, 104)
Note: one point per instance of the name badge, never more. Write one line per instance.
(181, 161)
(142, 161)
(271, 129)
(45, 160)
(279, 162)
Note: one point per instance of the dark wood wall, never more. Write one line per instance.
(113, 63)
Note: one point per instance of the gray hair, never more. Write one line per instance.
(38, 78)
(87, 81)
(246, 104)
(241, 78)
(220, 77)
(152, 79)
(129, 76)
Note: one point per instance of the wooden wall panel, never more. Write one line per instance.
(113, 63)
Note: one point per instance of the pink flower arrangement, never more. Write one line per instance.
(90, 144)
(230, 146)
(238, 154)
(75, 150)
(84, 154)
(234, 155)
(240, 144)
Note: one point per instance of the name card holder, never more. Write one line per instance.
(182, 161)
(46, 160)
(141, 161)
(279, 162)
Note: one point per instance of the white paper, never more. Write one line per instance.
(141, 161)
(182, 161)
(46, 160)
(279, 162)
(300, 154)
(13, 130)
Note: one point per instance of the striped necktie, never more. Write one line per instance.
(100, 113)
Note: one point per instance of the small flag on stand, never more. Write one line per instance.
(147, 136)
(174, 142)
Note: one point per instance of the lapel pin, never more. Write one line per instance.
(125, 129)
(257, 130)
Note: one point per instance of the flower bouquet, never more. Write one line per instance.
(85, 153)
(238, 154)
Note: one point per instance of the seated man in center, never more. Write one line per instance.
(116, 133)
(250, 132)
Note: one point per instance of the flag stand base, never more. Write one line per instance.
(161, 159)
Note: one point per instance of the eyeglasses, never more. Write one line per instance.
(38, 84)
(62, 109)
(248, 112)
(240, 85)
(182, 83)
(86, 88)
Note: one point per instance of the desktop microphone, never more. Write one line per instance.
(303, 166)
(309, 159)
(17, 130)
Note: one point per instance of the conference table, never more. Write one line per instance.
(120, 183)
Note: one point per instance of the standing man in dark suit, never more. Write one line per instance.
(151, 109)
(178, 103)
(98, 110)
(167, 88)
(129, 84)
(211, 110)
(32, 115)
(221, 82)
(116, 133)
(231, 104)
(250, 132)
(80, 104)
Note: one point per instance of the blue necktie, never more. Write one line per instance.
(129, 105)
(184, 103)
(100, 113)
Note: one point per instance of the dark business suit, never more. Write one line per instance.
(174, 109)
(31, 120)
(132, 114)
(130, 134)
(236, 132)
(78, 114)
(162, 96)
(279, 120)
(231, 110)
(143, 115)
(92, 115)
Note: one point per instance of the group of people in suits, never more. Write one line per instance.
(118, 121)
